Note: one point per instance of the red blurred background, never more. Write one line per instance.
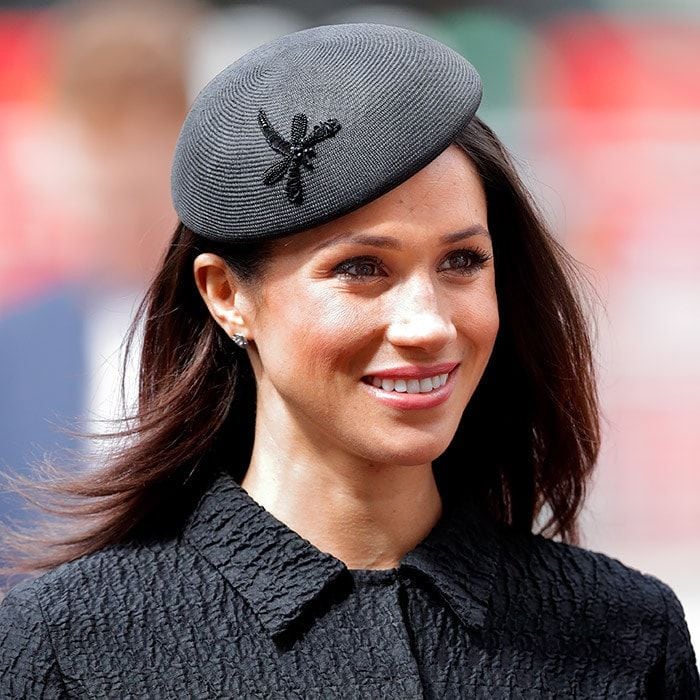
(600, 106)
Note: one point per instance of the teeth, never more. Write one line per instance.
(425, 384)
(411, 386)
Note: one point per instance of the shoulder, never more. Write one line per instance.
(100, 581)
(95, 590)
(58, 629)
(584, 573)
(597, 603)
(28, 665)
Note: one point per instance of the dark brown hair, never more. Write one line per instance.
(526, 445)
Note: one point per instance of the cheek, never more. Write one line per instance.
(318, 331)
(479, 319)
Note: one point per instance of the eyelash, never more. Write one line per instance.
(477, 256)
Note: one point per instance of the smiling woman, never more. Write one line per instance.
(366, 376)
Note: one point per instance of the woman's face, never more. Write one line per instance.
(337, 308)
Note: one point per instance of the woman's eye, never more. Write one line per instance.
(472, 259)
(357, 268)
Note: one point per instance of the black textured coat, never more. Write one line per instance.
(239, 605)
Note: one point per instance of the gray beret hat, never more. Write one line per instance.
(315, 124)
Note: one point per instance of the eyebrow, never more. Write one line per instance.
(395, 243)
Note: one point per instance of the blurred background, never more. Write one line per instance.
(599, 102)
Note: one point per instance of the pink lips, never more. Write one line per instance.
(403, 400)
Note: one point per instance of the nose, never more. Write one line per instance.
(418, 319)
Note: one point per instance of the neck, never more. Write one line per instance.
(366, 514)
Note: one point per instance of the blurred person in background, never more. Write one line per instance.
(120, 98)
(297, 514)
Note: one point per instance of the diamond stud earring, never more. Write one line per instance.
(240, 340)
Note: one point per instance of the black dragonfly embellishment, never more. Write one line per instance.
(298, 151)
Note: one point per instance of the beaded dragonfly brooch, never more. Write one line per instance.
(298, 151)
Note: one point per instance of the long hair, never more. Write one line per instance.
(525, 447)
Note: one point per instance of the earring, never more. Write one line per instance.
(240, 340)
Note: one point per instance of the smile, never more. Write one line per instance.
(409, 386)
(412, 393)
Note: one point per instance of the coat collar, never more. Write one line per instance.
(280, 574)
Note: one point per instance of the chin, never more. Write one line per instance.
(409, 451)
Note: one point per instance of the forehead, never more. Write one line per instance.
(444, 197)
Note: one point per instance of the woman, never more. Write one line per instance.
(348, 423)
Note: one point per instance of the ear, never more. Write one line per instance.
(224, 298)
